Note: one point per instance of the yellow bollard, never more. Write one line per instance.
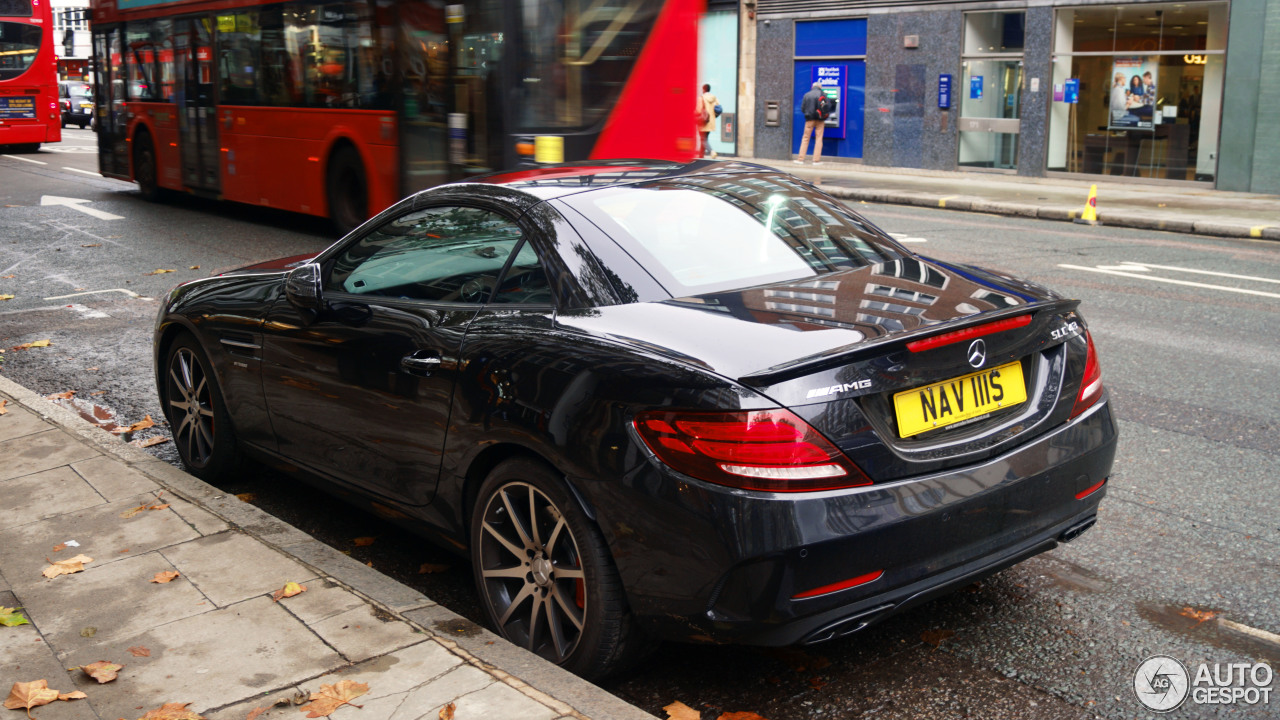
(1089, 216)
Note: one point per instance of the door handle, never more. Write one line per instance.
(422, 362)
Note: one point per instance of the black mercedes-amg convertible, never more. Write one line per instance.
(703, 401)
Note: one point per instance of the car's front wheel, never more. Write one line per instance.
(545, 576)
(197, 414)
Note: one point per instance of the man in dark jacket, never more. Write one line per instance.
(812, 124)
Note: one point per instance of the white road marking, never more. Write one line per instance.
(130, 293)
(87, 312)
(1171, 281)
(1143, 266)
(78, 204)
(84, 172)
(905, 238)
(1253, 631)
(80, 149)
(19, 157)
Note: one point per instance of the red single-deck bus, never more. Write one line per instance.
(339, 109)
(29, 113)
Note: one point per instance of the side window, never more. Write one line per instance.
(443, 254)
(525, 282)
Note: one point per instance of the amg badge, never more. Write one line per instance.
(833, 389)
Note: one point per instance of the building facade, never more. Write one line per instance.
(71, 32)
(1181, 92)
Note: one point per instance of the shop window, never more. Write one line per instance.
(1137, 90)
(990, 90)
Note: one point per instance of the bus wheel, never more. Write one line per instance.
(347, 191)
(144, 166)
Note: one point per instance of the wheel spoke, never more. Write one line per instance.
(204, 411)
(177, 381)
(557, 632)
(533, 517)
(534, 614)
(568, 573)
(204, 440)
(515, 521)
(525, 592)
(511, 547)
(515, 571)
(184, 366)
(199, 390)
(180, 405)
(571, 610)
(555, 537)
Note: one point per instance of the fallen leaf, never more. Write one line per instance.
(59, 547)
(363, 541)
(62, 395)
(173, 711)
(160, 271)
(142, 424)
(93, 369)
(2, 404)
(28, 346)
(246, 497)
(289, 590)
(194, 267)
(76, 695)
(816, 683)
(10, 617)
(9, 276)
(92, 245)
(432, 568)
(88, 632)
(1198, 615)
(679, 711)
(132, 511)
(935, 637)
(332, 697)
(158, 507)
(149, 442)
(6, 297)
(66, 567)
(140, 651)
(446, 712)
(26, 695)
(740, 716)
(102, 671)
(254, 713)
(164, 577)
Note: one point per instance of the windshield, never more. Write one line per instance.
(77, 90)
(710, 233)
(19, 43)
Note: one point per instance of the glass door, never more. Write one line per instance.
(197, 122)
(990, 90)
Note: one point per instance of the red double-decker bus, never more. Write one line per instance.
(339, 109)
(29, 113)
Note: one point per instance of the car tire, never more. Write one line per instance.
(346, 190)
(549, 585)
(196, 412)
(144, 167)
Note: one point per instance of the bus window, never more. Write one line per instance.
(19, 44)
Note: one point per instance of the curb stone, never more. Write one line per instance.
(565, 693)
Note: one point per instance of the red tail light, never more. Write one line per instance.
(772, 450)
(1091, 386)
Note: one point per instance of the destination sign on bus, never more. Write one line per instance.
(21, 107)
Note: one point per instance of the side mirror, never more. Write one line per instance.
(302, 288)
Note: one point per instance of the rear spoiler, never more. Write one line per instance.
(845, 354)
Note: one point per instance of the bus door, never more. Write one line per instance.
(109, 99)
(197, 119)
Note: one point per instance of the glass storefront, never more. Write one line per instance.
(1137, 90)
(990, 89)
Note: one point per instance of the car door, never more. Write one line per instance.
(363, 393)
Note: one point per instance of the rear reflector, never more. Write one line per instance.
(842, 585)
(968, 333)
(1091, 489)
(1091, 385)
(771, 450)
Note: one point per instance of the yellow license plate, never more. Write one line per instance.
(958, 399)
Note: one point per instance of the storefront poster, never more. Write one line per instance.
(975, 87)
(1071, 91)
(833, 79)
(1133, 92)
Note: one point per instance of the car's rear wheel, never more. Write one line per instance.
(545, 576)
(197, 413)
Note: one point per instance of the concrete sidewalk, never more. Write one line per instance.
(213, 637)
(1179, 208)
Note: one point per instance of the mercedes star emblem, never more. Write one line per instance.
(977, 353)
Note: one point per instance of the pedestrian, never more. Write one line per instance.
(813, 123)
(709, 104)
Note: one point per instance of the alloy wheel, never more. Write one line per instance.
(191, 407)
(531, 571)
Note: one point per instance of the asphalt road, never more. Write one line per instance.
(1182, 562)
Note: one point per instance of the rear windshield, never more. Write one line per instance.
(19, 43)
(705, 234)
(79, 90)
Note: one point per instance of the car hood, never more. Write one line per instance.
(278, 265)
(763, 331)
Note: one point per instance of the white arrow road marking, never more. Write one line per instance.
(1143, 266)
(130, 293)
(1171, 281)
(76, 204)
(87, 312)
(84, 172)
(19, 157)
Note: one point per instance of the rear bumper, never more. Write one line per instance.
(722, 565)
(24, 134)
